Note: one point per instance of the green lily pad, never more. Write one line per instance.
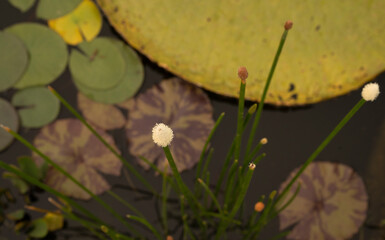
(71, 145)
(22, 5)
(16, 215)
(127, 87)
(100, 65)
(333, 48)
(39, 228)
(331, 203)
(47, 52)
(38, 106)
(13, 60)
(185, 108)
(104, 116)
(50, 9)
(55, 221)
(28, 166)
(9, 118)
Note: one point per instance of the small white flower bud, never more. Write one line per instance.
(251, 166)
(263, 141)
(370, 92)
(162, 134)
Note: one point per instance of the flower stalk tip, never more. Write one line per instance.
(243, 74)
(263, 141)
(251, 166)
(288, 25)
(370, 92)
(259, 206)
(162, 135)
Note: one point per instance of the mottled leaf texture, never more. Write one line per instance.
(71, 145)
(180, 105)
(105, 116)
(331, 204)
(333, 47)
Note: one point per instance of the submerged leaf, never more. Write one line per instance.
(184, 108)
(333, 48)
(55, 221)
(83, 23)
(331, 203)
(71, 145)
(49, 9)
(9, 118)
(13, 60)
(47, 53)
(37, 106)
(127, 87)
(39, 228)
(105, 116)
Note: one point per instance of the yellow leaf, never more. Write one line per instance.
(83, 23)
(54, 221)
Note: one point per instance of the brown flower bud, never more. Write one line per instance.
(288, 25)
(243, 74)
(259, 206)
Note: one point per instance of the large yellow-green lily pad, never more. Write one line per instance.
(333, 48)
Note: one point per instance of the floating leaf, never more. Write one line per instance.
(22, 5)
(28, 166)
(50, 9)
(55, 221)
(331, 203)
(127, 87)
(39, 228)
(183, 107)
(38, 106)
(47, 53)
(9, 118)
(71, 145)
(13, 60)
(333, 48)
(100, 66)
(84, 23)
(105, 116)
(17, 182)
(16, 215)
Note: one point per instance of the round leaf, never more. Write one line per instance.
(9, 118)
(100, 66)
(71, 145)
(105, 116)
(46, 50)
(16, 215)
(183, 107)
(39, 228)
(85, 22)
(333, 48)
(49, 9)
(331, 203)
(37, 106)
(127, 87)
(55, 221)
(13, 60)
(28, 166)
(22, 5)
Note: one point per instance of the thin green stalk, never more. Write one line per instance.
(264, 93)
(69, 176)
(319, 149)
(125, 203)
(112, 149)
(251, 222)
(241, 105)
(207, 162)
(186, 229)
(147, 224)
(165, 193)
(249, 113)
(229, 190)
(272, 216)
(156, 169)
(211, 194)
(207, 181)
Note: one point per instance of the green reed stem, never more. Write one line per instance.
(186, 229)
(147, 224)
(69, 176)
(267, 84)
(165, 193)
(274, 214)
(211, 194)
(112, 149)
(229, 189)
(319, 149)
(241, 105)
(125, 203)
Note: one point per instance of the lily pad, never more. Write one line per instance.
(9, 118)
(50, 9)
(331, 203)
(105, 116)
(100, 66)
(127, 87)
(47, 53)
(55, 221)
(71, 145)
(13, 60)
(185, 108)
(83, 23)
(333, 48)
(37, 106)
(22, 5)
(39, 228)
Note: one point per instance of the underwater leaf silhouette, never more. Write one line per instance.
(184, 108)
(104, 116)
(71, 145)
(333, 48)
(331, 203)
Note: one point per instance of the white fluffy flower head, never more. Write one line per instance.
(162, 134)
(370, 91)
